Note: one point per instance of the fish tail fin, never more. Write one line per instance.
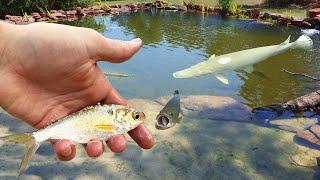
(287, 41)
(30, 144)
(303, 42)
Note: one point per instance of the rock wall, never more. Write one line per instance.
(313, 21)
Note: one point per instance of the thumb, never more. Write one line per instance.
(115, 51)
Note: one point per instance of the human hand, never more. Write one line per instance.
(48, 71)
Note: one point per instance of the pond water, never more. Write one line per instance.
(196, 148)
(176, 40)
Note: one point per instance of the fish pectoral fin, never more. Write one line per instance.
(105, 127)
(286, 41)
(222, 79)
(248, 69)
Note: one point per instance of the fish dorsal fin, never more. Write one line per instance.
(222, 79)
(286, 42)
(212, 56)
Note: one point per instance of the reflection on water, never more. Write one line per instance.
(177, 40)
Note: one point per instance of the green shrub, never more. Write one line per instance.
(230, 6)
(225, 5)
(19, 7)
(235, 9)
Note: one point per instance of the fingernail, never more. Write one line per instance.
(95, 144)
(137, 40)
(67, 151)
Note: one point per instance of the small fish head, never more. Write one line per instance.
(128, 119)
(165, 121)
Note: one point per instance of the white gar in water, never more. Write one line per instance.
(95, 122)
(241, 59)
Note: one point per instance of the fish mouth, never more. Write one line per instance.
(181, 74)
(189, 73)
(163, 122)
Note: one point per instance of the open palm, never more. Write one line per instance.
(49, 71)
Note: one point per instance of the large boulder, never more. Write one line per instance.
(36, 15)
(315, 21)
(314, 5)
(253, 13)
(15, 19)
(300, 23)
(313, 12)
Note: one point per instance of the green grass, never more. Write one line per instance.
(289, 12)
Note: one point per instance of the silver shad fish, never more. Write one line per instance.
(241, 59)
(169, 116)
(97, 122)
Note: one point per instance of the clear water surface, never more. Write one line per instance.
(177, 40)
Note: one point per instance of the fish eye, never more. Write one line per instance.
(137, 115)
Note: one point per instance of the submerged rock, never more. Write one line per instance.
(311, 135)
(294, 124)
(194, 149)
(212, 107)
(305, 159)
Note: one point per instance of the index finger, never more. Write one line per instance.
(142, 137)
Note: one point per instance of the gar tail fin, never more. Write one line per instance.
(31, 147)
(303, 42)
